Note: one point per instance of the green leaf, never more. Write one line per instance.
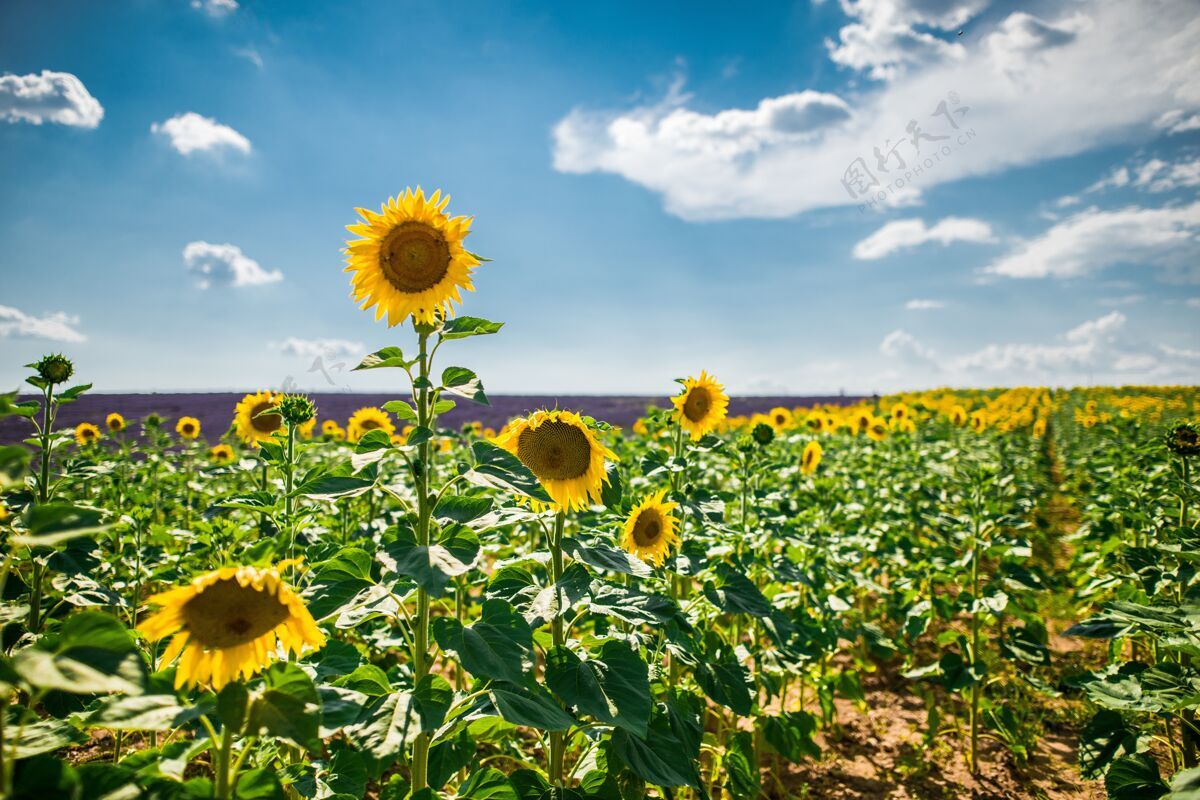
(661, 758)
(52, 524)
(232, 703)
(449, 756)
(1134, 777)
(462, 327)
(387, 727)
(387, 357)
(332, 487)
(402, 410)
(146, 712)
(791, 734)
(1025, 644)
(288, 708)
(613, 688)
(463, 382)
(368, 679)
(500, 469)
(258, 784)
(742, 766)
(462, 508)
(606, 557)
(532, 707)
(488, 784)
(498, 646)
(1185, 785)
(732, 591)
(1105, 739)
(612, 491)
(42, 737)
(94, 654)
(434, 566)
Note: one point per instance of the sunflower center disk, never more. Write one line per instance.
(697, 404)
(647, 529)
(267, 423)
(227, 614)
(414, 257)
(555, 451)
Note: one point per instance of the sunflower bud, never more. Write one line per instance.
(296, 409)
(1184, 440)
(763, 434)
(55, 368)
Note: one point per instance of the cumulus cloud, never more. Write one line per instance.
(191, 133)
(884, 39)
(1092, 240)
(216, 8)
(1157, 175)
(905, 234)
(225, 265)
(903, 346)
(57, 97)
(56, 326)
(319, 348)
(1096, 76)
(924, 305)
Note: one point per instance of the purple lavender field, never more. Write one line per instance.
(215, 409)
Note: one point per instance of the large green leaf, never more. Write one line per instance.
(499, 645)
(434, 566)
(1134, 777)
(741, 765)
(288, 707)
(1105, 739)
(733, 592)
(791, 734)
(500, 469)
(613, 687)
(146, 712)
(531, 706)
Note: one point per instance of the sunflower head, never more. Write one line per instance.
(903, 424)
(815, 421)
(650, 529)
(86, 434)
(780, 418)
(230, 623)
(877, 429)
(565, 454)
(762, 434)
(979, 422)
(329, 426)
(1039, 427)
(958, 415)
(366, 420)
(900, 411)
(114, 422)
(701, 406)
(305, 429)
(410, 260)
(1184, 440)
(220, 453)
(54, 368)
(251, 423)
(810, 459)
(188, 427)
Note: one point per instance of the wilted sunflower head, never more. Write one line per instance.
(366, 420)
(230, 623)
(650, 529)
(410, 260)
(251, 422)
(220, 453)
(1184, 440)
(564, 452)
(810, 459)
(152, 421)
(701, 406)
(188, 427)
(114, 422)
(86, 434)
(54, 368)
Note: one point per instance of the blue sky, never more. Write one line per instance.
(661, 189)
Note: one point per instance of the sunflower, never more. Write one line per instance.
(188, 427)
(329, 426)
(639, 427)
(1039, 427)
(877, 429)
(811, 458)
(114, 422)
(368, 419)
(230, 623)
(780, 418)
(862, 422)
(86, 434)
(903, 424)
(650, 529)
(220, 453)
(563, 452)
(900, 411)
(958, 415)
(979, 422)
(410, 260)
(251, 424)
(305, 429)
(701, 405)
(815, 421)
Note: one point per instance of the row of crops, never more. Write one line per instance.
(383, 607)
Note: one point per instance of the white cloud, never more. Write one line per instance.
(319, 348)
(1157, 175)
(1177, 121)
(1117, 178)
(191, 133)
(1067, 200)
(1193, 302)
(903, 234)
(250, 54)
(216, 8)
(56, 326)
(57, 97)
(1167, 238)
(902, 345)
(924, 305)
(884, 41)
(225, 264)
(1102, 79)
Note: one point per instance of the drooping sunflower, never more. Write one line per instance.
(229, 623)
(188, 427)
(368, 419)
(649, 531)
(701, 405)
(410, 260)
(220, 453)
(564, 453)
(86, 434)
(810, 459)
(114, 422)
(252, 426)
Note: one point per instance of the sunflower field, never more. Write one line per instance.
(693, 607)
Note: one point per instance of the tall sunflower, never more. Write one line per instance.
(701, 406)
(410, 260)
(251, 424)
(86, 434)
(368, 419)
(649, 531)
(564, 453)
(229, 623)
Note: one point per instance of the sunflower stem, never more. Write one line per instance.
(557, 738)
(421, 665)
(289, 467)
(223, 788)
